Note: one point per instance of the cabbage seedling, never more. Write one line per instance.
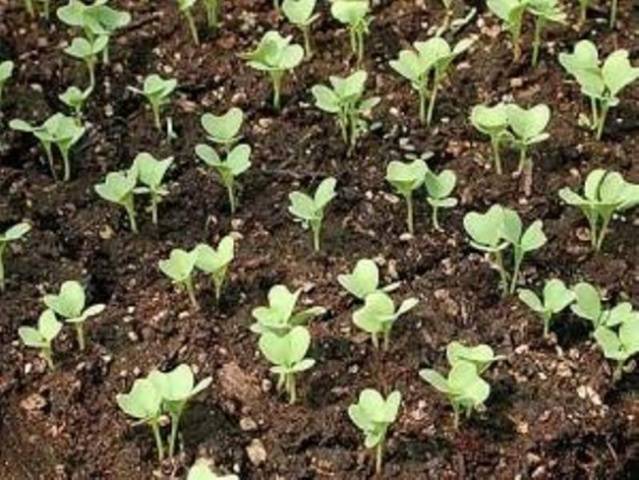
(605, 193)
(406, 178)
(544, 11)
(176, 388)
(42, 337)
(556, 297)
(213, 8)
(511, 12)
(492, 121)
(119, 188)
(185, 7)
(151, 174)
(378, 315)
(621, 345)
(465, 389)
(482, 356)
(224, 129)
(235, 164)
(6, 70)
(373, 415)
(344, 99)
(179, 268)
(157, 92)
(588, 306)
(276, 56)
(300, 14)
(69, 304)
(87, 51)
(601, 83)
(75, 98)
(364, 280)
(216, 262)
(288, 355)
(439, 188)
(12, 234)
(201, 471)
(354, 14)
(144, 403)
(309, 211)
(280, 316)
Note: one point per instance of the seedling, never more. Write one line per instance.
(216, 262)
(439, 188)
(354, 14)
(179, 268)
(12, 234)
(406, 178)
(601, 83)
(492, 121)
(621, 345)
(588, 305)
(378, 315)
(482, 356)
(512, 13)
(42, 337)
(288, 353)
(309, 211)
(119, 188)
(280, 316)
(177, 388)
(556, 297)
(69, 304)
(364, 280)
(544, 11)
(225, 129)
(583, 9)
(465, 389)
(151, 174)
(75, 98)
(300, 14)
(344, 99)
(87, 51)
(144, 403)
(6, 70)
(157, 92)
(425, 67)
(276, 56)
(213, 8)
(60, 130)
(605, 193)
(185, 7)
(235, 164)
(373, 415)
(201, 471)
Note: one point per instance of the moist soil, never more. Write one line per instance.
(554, 411)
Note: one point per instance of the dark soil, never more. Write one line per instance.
(554, 411)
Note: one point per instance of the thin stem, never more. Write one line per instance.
(49, 154)
(28, 4)
(212, 13)
(105, 54)
(375, 340)
(499, 261)
(422, 106)
(360, 46)
(131, 214)
(379, 455)
(308, 48)
(353, 38)
(386, 344)
(277, 87)
(231, 195)
(613, 14)
(2, 279)
(519, 256)
(317, 231)
(188, 283)
(583, 6)
(67, 164)
(91, 68)
(539, 25)
(79, 328)
(435, 217)
(47, 354)
(595, 113)
(496, 155)
(409, 214)
(158, 439)
(175, 423)
(431, 104)
(602, 232)
(218, 289)
(602, 121)
(156, 116)
(276, 6)
(522, 159)
(292, 389)
(192, 27)
(456, 416)
(343, 125)
(546, 318)
(154, 209)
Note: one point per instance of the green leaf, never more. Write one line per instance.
(435, 379)
(180, 264)
(406, 177)
(223, 129)
(588, 304)
(299, 12)
(609, 343)
(211, 260)
(533, 237)
(618, 72)
(363, 281)
(325, 192)
(378, 309)
(489, 120)
(288, 349)
(350, 12)
(440, 186)
(150, 170)
(557, 296)
(485, 228)
(527, 124)
(531, 299)
(69, 303)
(15, 232)
(142, 402)
(118, 186)
(325, 99)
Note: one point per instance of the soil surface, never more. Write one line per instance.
(554, 411)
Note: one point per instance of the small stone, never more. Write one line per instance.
(133, 336)
(247, 424)
(256, 452)
(33, 402)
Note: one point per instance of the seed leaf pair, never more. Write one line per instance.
(157, 92)
(88, 50)
(42, 337)
(216, 262)
(12, 234)
(119, 188)
(588, 305)
(619, 345)
(364, 280)
(309, 211)
(354, 14)
(300, 13)
(224, 129)
(555, 298)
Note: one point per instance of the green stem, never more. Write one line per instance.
(218, 289)
(379, 455)
(49, 154)
(436, 224)
(343, 125)
(276, 6)
(409, 214)
(277, 87)
(386, 344)
(231, 195)
(2, 279)
(158, 439)
(28, 4)
(192, 27)
(602, 232)
(422, 106)
(156, 116)
(317, 231)
(496, 155)
(522, 159)
(188, 283)
(499, 261)
(79, 328)
(539, 24)
(360, 47)
(308, 48)
(583, 7)
(47, 9)
(602, 121)
(353, 38)
(105, 54)
(154, 209)
(515, 277)
(91, 68)
(546, 318)
(613, 14)
(456, 416)
(292, 389)
(131, 214)
(431, 104)
(175, 423)
(47, 354)
(212, 13)
(67, 165)
(375, 340)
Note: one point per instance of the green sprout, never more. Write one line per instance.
(213, 8)
(12, 234)
(151, 174)
(439, 188)
(354, 14)
(69, 304)
(177, 388)
(527, 128)
(492, 121)
(556, 297)
(601, 83)
(280, 316)
(144, 403)
(481, 356)
(364, 280)
(425, 67)
(373, 415)
(406, 178)
(87, 51)
(378, 315)
(216, 262)
(300, 14)
(225, 129)
(344, 99)
(6, 70)
(58, 129)
(512, 14)
(157, 92)
(28, 5)
(185, 7)
(613, 14)
(201, 471)
(276, 56)
(75, 99)
(179, 268)
(288, 355)
(583, 9)
(235, 164)
(544, 11)
(309, 211)
(465, 389)
(620, 345)
(605, 193)
(588, 305)
(119, 188)
(42, 337)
